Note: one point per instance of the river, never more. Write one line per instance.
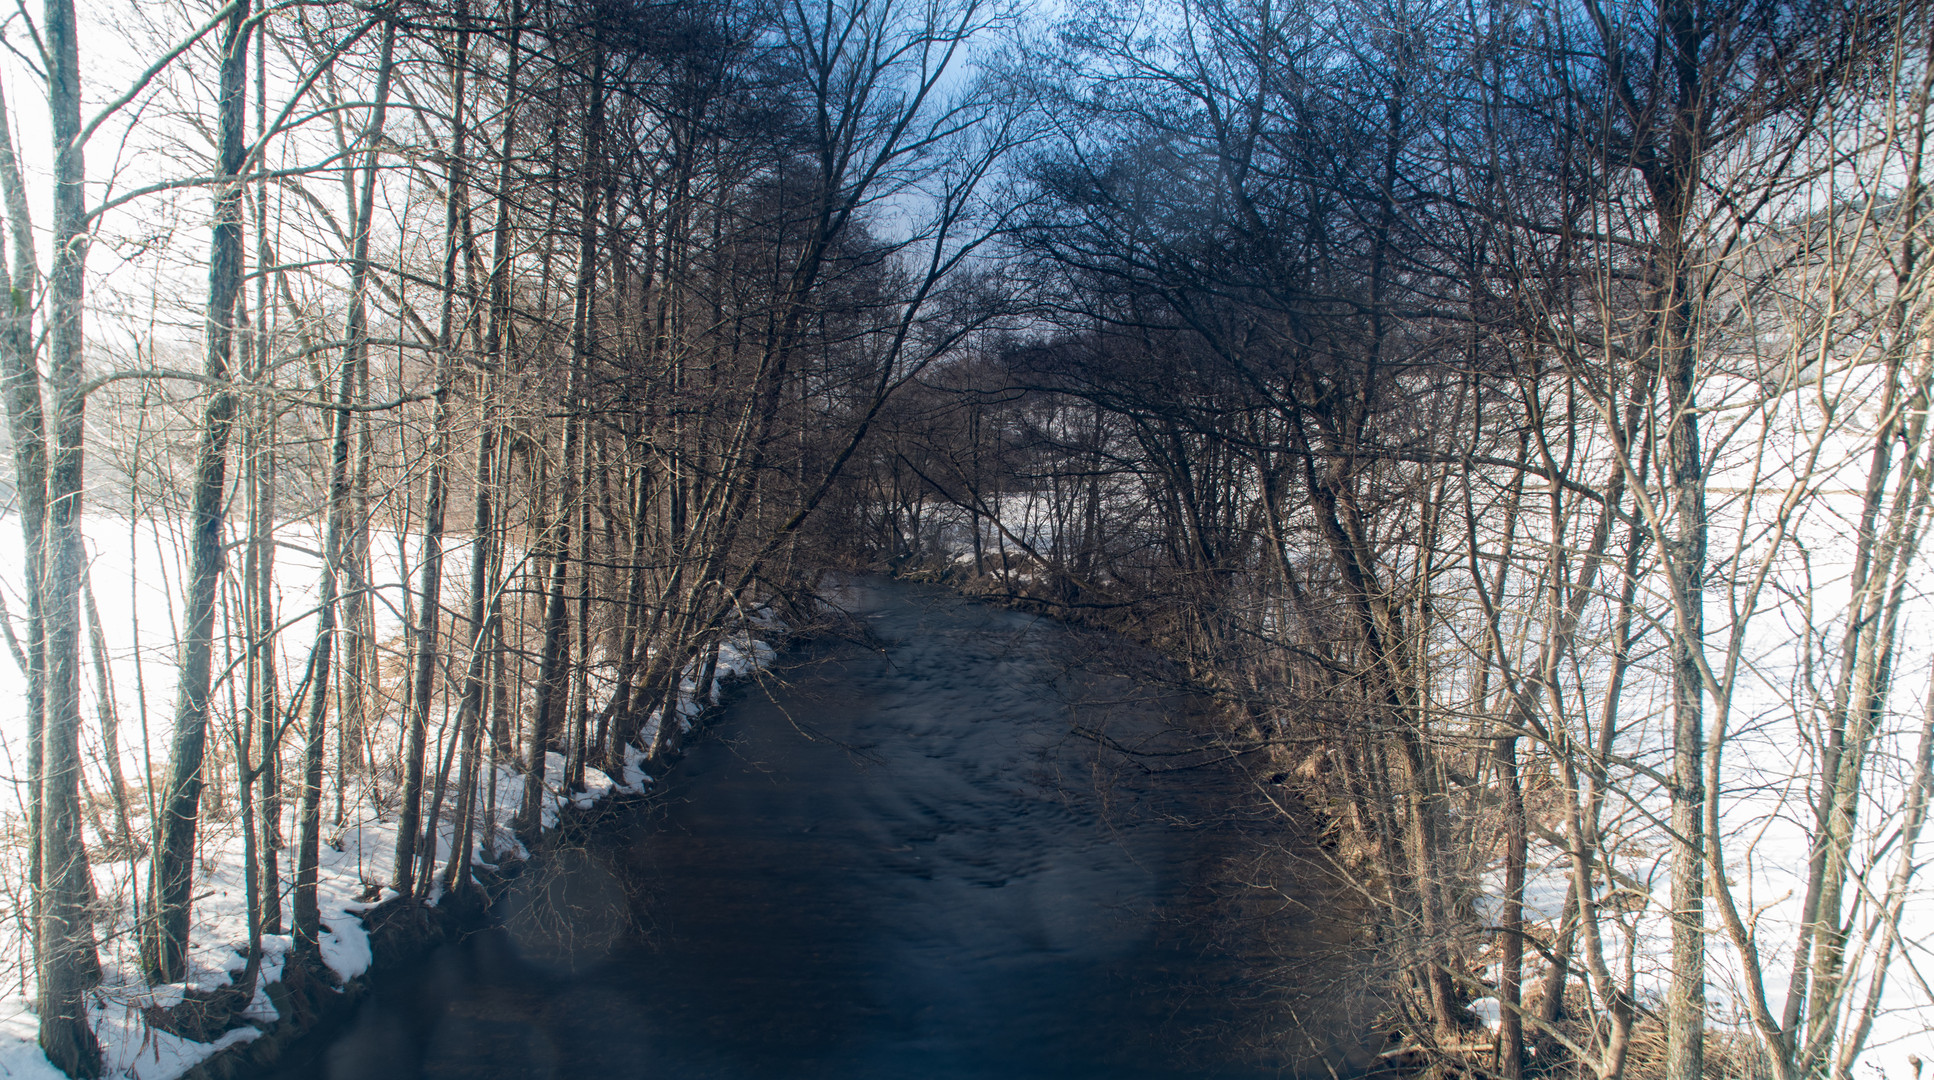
(917, 851)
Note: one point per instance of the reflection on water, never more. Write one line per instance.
(903, 862)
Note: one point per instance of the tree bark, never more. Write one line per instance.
(1510, 1043)
(307, 912)
(429, 592)
(27, 425)
(164, 951)
(68, 962)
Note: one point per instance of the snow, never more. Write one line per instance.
(136, 570)
(135, 1050)
(635, 776)
(344, 944)
(129, 1047)
(1770, 746)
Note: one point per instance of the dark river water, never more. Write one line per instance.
(918, 852)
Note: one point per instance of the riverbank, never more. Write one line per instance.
(908, 857)
(161, 1033)
(311, 1009)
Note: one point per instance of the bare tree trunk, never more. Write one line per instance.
(554, 665)
(261, 553)
(612, 736)
(1510, 1043)
(68, 962)
(555, 660)
(432, 564)
(360, 675)
(164, 951)
(1685, 1011)
(263, 674)
(110, 719)
(483, 615)
(27, 424)
(493, 476)
(427, 849)
(581, 674)
(307, 912)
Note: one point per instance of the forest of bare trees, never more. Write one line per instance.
(1513, 417)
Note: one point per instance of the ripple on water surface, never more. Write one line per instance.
(898, 860)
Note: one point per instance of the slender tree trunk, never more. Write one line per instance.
(245, 774)
(360, 674)
(263, 673)
(427, 850)
(68, 962)
(1685, 1011)
(258, 456)
(430, 601)
(308, 913)
(164, 950)
(1510, 1044)
(555, 660)
(110, 719)
(261, 550)
(581, 673)
(27, 425)
(1551, 989)
(554, 666)
(493, 443)
(612, 736)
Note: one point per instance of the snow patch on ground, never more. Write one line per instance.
(135, 572)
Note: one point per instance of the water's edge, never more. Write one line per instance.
(899, 858)
(313, 1010)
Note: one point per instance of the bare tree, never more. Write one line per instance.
(165, 949)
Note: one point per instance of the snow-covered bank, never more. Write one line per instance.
(135, 576)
